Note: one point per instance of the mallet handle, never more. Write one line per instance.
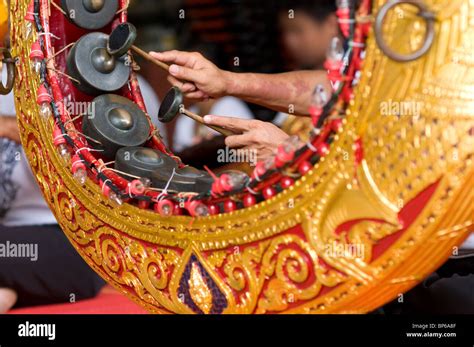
(148, 57)
(200, 120)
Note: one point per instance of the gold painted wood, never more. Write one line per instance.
(281, 255)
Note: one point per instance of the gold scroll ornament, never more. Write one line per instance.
(294, 253)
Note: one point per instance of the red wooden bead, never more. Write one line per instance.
(249, 200)
(268, 193)
(230, 206)
(287, 182)
(213, 210)
(322, 149)
(305, 167)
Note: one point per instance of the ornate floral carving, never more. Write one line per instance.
(283, 254)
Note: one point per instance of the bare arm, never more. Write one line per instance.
(287, 92)
(9, 128)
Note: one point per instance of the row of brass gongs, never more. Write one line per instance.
(100, 65)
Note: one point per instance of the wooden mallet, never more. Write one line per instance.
(172, 105)
(122, 39)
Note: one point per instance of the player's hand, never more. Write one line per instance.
(262, 138)
(194, 75)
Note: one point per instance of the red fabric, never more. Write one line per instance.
(109, 301)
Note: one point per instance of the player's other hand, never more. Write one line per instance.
(252, 135)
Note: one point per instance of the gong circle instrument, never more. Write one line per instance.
(186, 179)
(161, 170)
(376, 200)
(115, 122)
(93, 69)
(90, 14)
(144, 162)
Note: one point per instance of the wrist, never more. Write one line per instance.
(228, 79)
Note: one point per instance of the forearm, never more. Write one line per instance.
(286, 92)
(9, 128)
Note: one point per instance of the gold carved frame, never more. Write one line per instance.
(278, 256)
